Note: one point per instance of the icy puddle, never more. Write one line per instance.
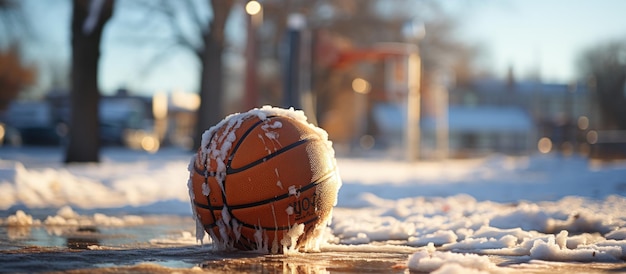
(195, 259)
(163, 244)
(456, 234)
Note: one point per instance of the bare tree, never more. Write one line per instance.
(353, 21)
(606, 64)
(88, 20)
(15, 75)
(211, 83)
(191, 28)
(13, 23)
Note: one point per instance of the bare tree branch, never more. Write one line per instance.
(153, 62)
(14, 22)
(167, 9)
(221, 9)
(193, 11)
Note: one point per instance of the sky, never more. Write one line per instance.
(532, 35)
(529, 36)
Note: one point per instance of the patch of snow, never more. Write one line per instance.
(618, 234)
(290, 239)
(66, 216)
(431, 260)
(20, 218)
(551, 251)
(545, 207)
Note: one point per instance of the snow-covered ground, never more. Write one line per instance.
(459, 213)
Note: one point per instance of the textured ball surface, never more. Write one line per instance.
(264, 180)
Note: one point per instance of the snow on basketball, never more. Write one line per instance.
(264, 180)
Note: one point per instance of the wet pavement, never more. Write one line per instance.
(163, 244)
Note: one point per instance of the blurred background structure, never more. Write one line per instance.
(414, 79)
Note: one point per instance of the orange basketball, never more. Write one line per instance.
(264, 180)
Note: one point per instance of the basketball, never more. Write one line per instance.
(265, 180)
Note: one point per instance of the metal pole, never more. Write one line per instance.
(441, 122)
(412, 137)
(291, 80)
(251, 80)
(307, 95)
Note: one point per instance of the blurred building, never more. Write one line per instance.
(475, 131)
(32, 122)
(552, 109)
(139, 122)
(496, 116)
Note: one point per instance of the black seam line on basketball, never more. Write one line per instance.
(210, 139)
(280, 227)
(208, 207)
(208, 199)
(326, 176)
(206, 181)
(244, 135)
(240, 139)
(283, 196)
(230, 207)
(322, 179)
(230, 170)
(206, 172)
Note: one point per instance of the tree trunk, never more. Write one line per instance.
(211, 108)
(88, 20)
(211, 86)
